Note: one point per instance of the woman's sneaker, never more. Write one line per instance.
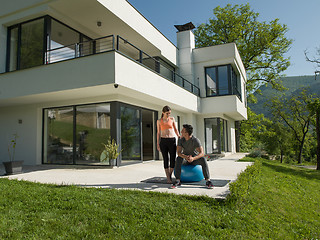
(209, 184)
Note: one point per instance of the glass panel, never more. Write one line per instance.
(13, 49)
(212, 133)
(58, 138)
(222, 135)
(226, 136)
(62, 36)
(150, 62)
(188, 86)
(223, 80)
(92, 129)
(31, 50)
(178, 80)
(127, 49)
(130, 133)
(147, 135)
(211, 80)
(166, 70)
(104, 44)
(86, 47)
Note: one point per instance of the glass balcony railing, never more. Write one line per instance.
(110, 43)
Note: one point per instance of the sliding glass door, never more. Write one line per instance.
(75, 134)
(58, 137)
(92, 129)
(130, 133)
(216, 135)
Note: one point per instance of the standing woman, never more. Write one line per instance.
(166, 141)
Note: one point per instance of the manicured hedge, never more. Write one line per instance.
(240, 188)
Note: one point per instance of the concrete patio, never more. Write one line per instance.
(131, 176)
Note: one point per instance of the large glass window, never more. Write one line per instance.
(74, 134)
(13, 50)
(92, 129)
(58, 138)
(31, 47)
(31, 43)
(216, 135)
(222, 80)
(64, 38)
(130, 133)
(211, 80)
(212, 133)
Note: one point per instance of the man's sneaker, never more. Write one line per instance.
(175, 185)
(209, 184)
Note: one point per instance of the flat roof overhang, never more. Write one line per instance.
(92, 77)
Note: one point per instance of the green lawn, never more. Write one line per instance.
(281, 202)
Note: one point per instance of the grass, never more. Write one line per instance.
(281, 203)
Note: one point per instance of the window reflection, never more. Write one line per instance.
(216, 133)
(13, 49)
(222, 80)
(92, 129)
(58, 146)
(31, 48)
(130, 133)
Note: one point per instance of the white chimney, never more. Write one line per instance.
(185, 44)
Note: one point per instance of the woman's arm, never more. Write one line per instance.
(158, 135)
(175, 128)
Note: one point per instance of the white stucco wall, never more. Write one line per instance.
(144, 81)
(127, 13)
(28, 146)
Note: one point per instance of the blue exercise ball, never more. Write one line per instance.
(191, 173)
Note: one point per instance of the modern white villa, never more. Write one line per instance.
(74, 73)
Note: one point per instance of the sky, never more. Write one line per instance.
(301, 17)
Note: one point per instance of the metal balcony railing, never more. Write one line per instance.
(110, 43)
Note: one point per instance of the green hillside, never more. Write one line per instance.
(292, 84)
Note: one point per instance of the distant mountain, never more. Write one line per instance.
(293, 84)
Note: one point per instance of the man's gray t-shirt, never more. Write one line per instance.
(189, 147)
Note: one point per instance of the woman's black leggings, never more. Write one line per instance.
(168, 148)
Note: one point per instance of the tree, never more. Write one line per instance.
(314, 107)
(314, 59)
(277, 139)
(294, 113)
(314, 104)
(252, 129)
(261, 45)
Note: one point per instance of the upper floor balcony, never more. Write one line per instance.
(97, 46)
(91, 69)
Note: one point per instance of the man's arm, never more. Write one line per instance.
(200, 155)
(179, 152)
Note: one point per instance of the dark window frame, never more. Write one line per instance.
(221, 123)
(233, 88)
(115, 131)
(47, 20)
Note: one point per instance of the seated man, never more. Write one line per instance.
(190, 151)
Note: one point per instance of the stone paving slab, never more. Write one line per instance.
(131, 176)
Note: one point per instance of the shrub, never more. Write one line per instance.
(241, 187)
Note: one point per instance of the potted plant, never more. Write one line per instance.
(110, 153)
(13, 167)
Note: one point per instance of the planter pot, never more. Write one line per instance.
(112, 162)
(13, 167)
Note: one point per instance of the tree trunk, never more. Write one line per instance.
(237, 133)
(318, 138)
(300, 154)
